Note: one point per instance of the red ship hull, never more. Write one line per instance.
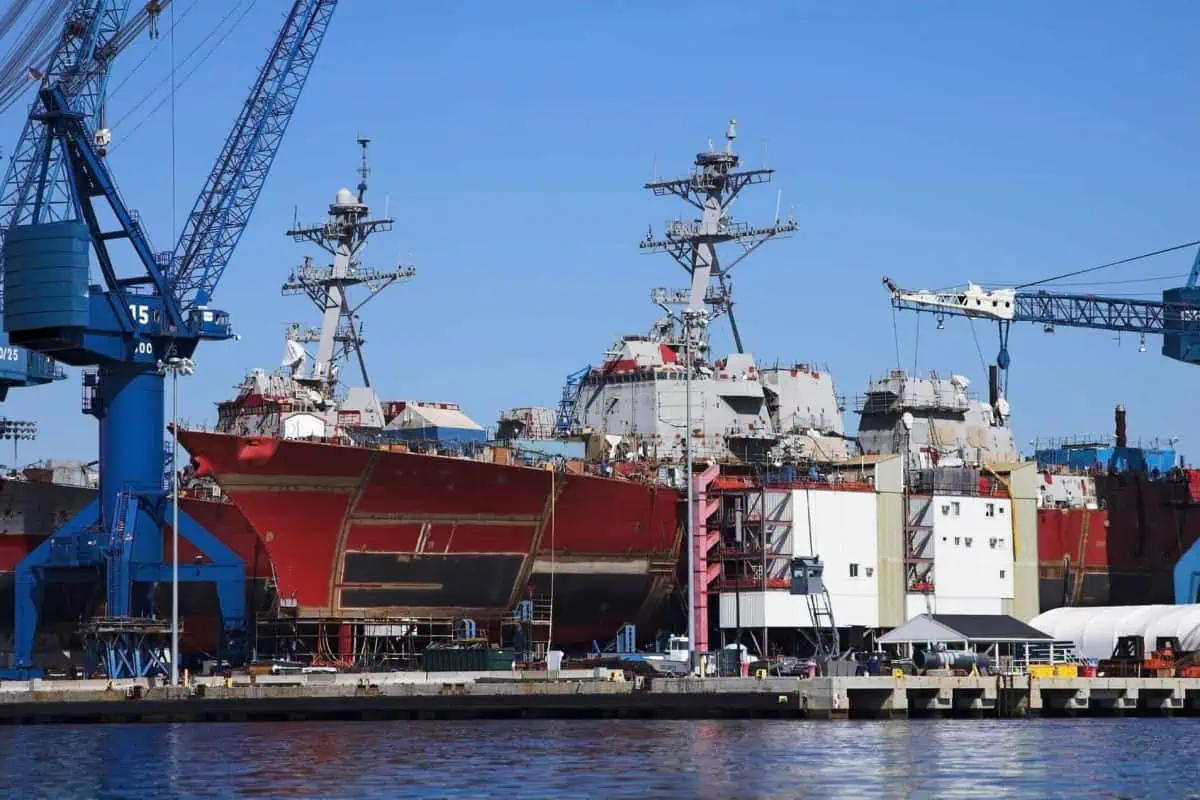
(360, 533)
(1123, 553)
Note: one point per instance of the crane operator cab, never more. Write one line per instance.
(806, 575)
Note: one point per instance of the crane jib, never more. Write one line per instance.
(1176, 317)
(223, 209)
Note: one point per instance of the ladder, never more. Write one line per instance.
(825, 632)
(119, 554)
(1077, 586)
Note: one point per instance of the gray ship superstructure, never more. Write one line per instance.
(635, 402)
(306, 398)
(936, 420)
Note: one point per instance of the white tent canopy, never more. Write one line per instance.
(1095, 630)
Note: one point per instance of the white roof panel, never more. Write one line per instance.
(1095, 630)
(432, 416)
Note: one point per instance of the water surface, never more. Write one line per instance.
(617, 758)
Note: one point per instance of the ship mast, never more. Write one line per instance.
(711, 187)
(343, 234)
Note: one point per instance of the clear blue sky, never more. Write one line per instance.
(934, 142)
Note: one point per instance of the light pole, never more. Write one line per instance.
(175, 366)
(17, 430)
(691, 508)
(690, 318)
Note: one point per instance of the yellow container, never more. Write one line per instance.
(1041, 670)
(1066, 670)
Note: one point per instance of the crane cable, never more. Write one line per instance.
(11, 15)
(32, 50)
(36, 48)
(1110, 264)
(32, 35)
(896, 336)
(916, 343)
(122, 43)
(1149, 279)
(179, 84)
(171, 35)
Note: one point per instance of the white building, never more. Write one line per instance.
(972, 551)
(975, 555)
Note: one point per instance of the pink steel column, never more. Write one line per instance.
(702, 541)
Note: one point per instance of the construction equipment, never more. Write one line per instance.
(136, 328)
(1176, 317)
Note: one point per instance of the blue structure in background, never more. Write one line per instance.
(1187, 576)
(20, 368)
(437, 435)
(1095, 456)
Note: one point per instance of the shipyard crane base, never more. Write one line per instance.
(126, 647)
(83, 550)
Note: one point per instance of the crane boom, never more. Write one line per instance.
(1048, 308)
(1176, 317)
(223, 208)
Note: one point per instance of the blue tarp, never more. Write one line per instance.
(437, 434)
(1085, 457)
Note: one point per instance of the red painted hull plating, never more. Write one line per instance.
(358, 533)
(1126, 552)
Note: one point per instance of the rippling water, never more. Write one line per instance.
(929, 758)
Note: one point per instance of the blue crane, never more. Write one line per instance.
(151, 314)
(564, 420)
(1176, 317)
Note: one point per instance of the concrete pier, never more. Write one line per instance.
(584, 693)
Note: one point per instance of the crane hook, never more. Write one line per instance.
(154, 8)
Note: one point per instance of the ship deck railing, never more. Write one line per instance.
(1029, 654)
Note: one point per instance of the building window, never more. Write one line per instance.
(854, 570)
(954, 508)
(989, 510)
(870, 571)
(968, 541)
(1001, 574)
(957, 540)
(945, 510)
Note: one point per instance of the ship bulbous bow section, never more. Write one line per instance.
(360, 533)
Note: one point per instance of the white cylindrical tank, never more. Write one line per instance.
(1095, 630)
